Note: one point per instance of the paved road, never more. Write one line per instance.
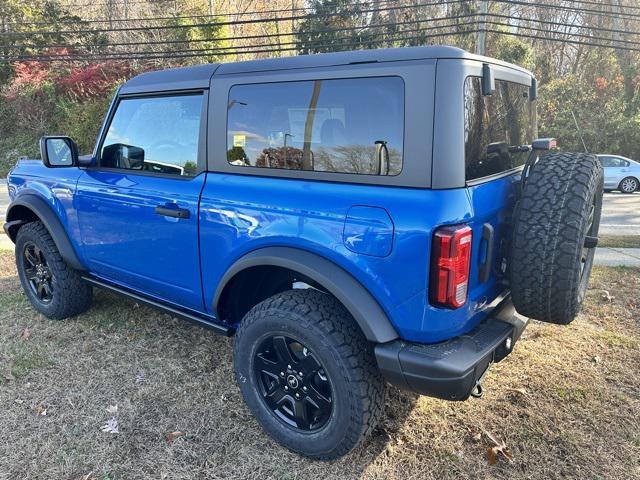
(4, 198)
(612, 257)
(620, 214)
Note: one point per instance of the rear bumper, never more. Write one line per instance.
(451, 370)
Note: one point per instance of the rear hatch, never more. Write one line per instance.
(496, 126)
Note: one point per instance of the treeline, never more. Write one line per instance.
(61, 60)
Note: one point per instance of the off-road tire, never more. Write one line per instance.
(71, 295)
(321, 323)
(549, 267)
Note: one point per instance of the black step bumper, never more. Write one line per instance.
(451, 370)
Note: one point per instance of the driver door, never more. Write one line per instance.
(138, 207)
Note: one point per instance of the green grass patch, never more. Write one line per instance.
(12, 300)
(619, 241)
(615, 339)
(25, 363)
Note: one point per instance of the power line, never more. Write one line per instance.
(224, 23)
(564, 24)
(249, 49)
(355, 28)
(551, 39)
(602, 3)
(609, 14)
(257, 49)
(580, 35)
(144, 19)
(549, 6)
(243, 37)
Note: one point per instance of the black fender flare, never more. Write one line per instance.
(48, 217)
(354, 296)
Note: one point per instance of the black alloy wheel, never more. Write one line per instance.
(54, 288)
(293, 384)
(308, 374)
(39, 275)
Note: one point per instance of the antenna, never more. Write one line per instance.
(579, 132)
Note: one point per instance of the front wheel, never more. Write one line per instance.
(53, 287)
(628, 185)
(308, 374)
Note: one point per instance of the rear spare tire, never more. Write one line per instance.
(555, 233)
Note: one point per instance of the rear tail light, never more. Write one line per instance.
(450, 262)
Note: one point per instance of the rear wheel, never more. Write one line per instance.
(555, 233)
(53, 287)
(308, 374)
(628, 185)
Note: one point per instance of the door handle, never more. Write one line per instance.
(173, 212)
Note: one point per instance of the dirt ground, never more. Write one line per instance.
(566, 403)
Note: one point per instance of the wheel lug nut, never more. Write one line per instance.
(289, 367)
(301, 374)
(297, 395)
(282, 374)
(286, 388)
(304, 389)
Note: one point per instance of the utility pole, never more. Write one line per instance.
(482, 28)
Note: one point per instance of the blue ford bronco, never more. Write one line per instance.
(352, 218)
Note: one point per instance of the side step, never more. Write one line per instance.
(202, 320)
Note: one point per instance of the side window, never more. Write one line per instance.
(155, 134)
(341, 125)
(606, 161)
(496, 127)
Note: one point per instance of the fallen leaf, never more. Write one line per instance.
(26, 333)
(111, 426)
(140, 377)
(131, 336)
(173, 435)
(521, 391)
(40, 410)
(112, 409)
(499, 448)
(606, 296)
(596, 359)
(492, 456)
(88, 476)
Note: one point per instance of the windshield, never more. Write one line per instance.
(495, 126)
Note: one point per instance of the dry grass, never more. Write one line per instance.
(619, 241)
(566, 402)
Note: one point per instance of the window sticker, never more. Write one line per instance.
(239, 140)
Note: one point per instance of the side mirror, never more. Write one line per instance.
(86, 161)
(58, 152)
(119, 155)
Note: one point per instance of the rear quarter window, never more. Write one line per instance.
(351, 125)
(495, 126)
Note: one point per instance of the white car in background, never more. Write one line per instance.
(620, 173)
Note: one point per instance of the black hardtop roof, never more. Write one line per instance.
(199, 76)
